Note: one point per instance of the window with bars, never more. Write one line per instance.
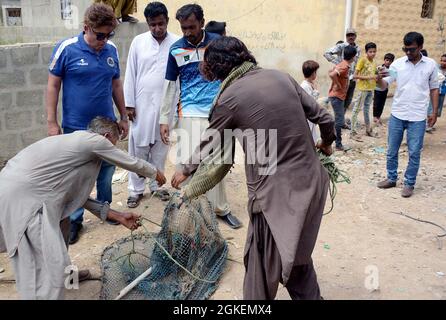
(12, 16)
(65, 9)
(427, 12)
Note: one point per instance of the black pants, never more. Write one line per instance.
(350, 93)
(379, 101)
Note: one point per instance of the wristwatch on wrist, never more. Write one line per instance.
(124, 118)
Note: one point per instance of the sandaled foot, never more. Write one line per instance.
(133, 201)
(162, 194)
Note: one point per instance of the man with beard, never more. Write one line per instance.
(196, 97)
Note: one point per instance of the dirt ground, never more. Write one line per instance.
(362, 235)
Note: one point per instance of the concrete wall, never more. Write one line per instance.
(47, 13)
(23, 75)
(42, 21)
(395, 19)
(23, 80)
(281, 34)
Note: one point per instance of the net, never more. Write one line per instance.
(187, 256)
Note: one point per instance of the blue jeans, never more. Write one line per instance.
(103, 186)
(339, 113)
(440, 106)
(415, 136)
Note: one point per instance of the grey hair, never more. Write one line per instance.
(103, 125)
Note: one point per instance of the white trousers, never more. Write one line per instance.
(156, 154)
(194, 128)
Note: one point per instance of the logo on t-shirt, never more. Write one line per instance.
(186, 58)
(111, 62)
(82, 62)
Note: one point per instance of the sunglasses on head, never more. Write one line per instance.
(100, 36)
(411, 50)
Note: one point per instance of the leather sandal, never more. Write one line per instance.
(133, 202)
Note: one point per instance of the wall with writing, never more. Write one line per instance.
(282, 34)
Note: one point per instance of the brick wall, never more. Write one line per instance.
(23, 80)
(23, 75)
(396, 18)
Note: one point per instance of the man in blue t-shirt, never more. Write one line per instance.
(88, 67)
(196, 96)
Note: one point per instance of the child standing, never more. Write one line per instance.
(338, 91)
(309, 69)
(366, 74)
(379, 100)
(442, 68)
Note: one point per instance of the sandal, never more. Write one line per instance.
(133, 202)
(163, 194)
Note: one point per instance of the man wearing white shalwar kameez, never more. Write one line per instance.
(41, 186)
(143, 91)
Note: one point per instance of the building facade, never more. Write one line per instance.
(385, 22)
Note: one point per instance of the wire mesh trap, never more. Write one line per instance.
(184, 261)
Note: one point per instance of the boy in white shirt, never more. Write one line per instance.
(309, 69)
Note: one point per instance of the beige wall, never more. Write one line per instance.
(396, 18)
(281, 33)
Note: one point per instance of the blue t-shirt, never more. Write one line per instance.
(196, 93)
(86, 79)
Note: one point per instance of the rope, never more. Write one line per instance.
(173, 259)
(424, 221)
(133, 251)
(335, 174)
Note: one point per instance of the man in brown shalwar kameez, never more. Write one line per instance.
(286, 200)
